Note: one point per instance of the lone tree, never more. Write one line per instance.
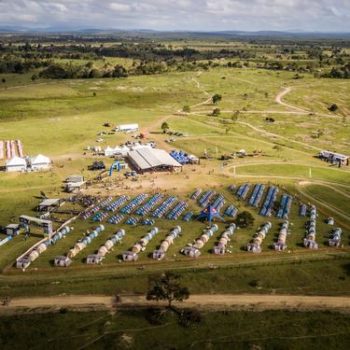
(216, 98)
(167, 287)
(235, 116)
(165, 127)
(186, 109)
(333, 108)
(245, 219)
(216, 112)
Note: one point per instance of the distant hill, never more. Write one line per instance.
(147, 33)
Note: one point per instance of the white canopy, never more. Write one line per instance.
(16, 161)
(40, 159)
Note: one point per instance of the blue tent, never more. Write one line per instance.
(210, 213)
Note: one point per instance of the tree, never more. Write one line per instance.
(186, 109)
(333, 108)
(216, 112)
(120, 72)
(216, 98)
(167, 287)
(245, 219)
(165, 127)
(235, 116)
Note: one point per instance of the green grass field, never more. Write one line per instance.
(133, 329)
(61, 118)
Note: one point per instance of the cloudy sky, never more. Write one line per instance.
(203, 15)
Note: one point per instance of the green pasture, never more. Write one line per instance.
(135, 329)
(319, 273)
(327, 195)
(61, 118)
(329, 174)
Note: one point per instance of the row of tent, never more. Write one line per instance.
(11, 148)
(125, 149)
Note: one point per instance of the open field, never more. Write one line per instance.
(131, 328)
(60, 117)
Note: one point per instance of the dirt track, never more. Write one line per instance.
(203, 301)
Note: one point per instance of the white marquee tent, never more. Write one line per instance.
(16, 164)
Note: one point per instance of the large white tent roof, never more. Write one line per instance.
(16, 161)
(40, 159)
(147, 158)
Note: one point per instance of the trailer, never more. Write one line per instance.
(127, 127)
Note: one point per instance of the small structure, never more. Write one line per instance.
(130, 256)
(62, 261)
(191, 252)
(12, 229)
(16, 164)
(50, 204)
(25, 221)
(40, 162)
(330, 221)
(23, 263)
(335, 239)
(152, 159)
(97, 165)
(334, 158)
(94, 259)
(74, 183)
(127, 127)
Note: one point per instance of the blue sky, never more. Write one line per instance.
(202, 15)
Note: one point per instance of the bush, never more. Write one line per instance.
(155, 316)
(333, 108)
(186, 109)
(216, 112)
(245, 219)
(189, 316)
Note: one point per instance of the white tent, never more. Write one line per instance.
(40, 162)
(109, 151)
(16, 164)
(128, 127)
(122, 150)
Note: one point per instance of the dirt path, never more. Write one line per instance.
(203, 301)
(325, 184)
(165, 118)
(279, 100)
(329, 207)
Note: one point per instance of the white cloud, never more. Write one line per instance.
(119, 7)
(314, 15)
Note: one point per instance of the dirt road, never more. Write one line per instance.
(203, 301)
(279, 100)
